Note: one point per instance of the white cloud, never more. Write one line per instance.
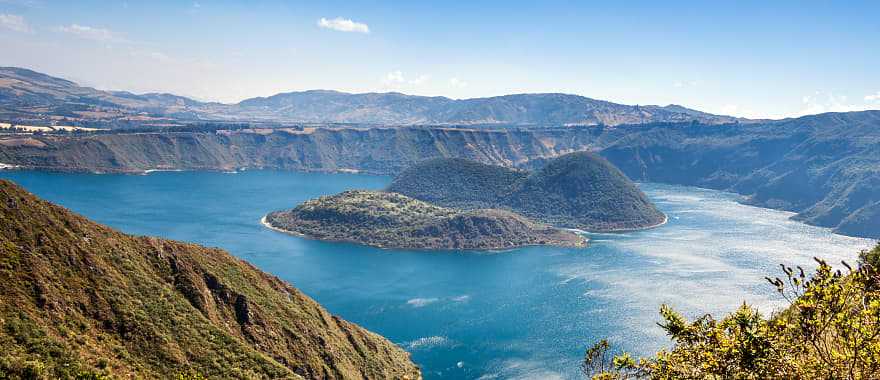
(873, 98)
(343, 25)
(394, 77)
(152, 55)
(91, 33)
(14, 23)
(457, 83)
(397, 79)
(419, 80)
(820, 102)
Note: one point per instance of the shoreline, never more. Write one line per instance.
(265, 223)
(741, 198)
(268, 225)
(621, 230)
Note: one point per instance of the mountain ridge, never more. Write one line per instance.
(27, 95)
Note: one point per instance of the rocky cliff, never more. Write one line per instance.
(824, 167)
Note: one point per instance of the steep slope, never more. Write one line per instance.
(457, 182)
(582, 190)
(391, 220)
(81, 299)
(577, 190)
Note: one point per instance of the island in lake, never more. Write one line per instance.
(391, 220)
(577, 190)
(462, 204)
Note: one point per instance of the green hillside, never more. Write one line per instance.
(391, 220)
(81, 300)
(577, 190)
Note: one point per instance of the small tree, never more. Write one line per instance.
(831, 330)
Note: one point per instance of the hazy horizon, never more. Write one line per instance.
(748, 59)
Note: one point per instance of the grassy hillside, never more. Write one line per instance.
(457, 181)
(577, 190)
(391, 220)
(81, 300)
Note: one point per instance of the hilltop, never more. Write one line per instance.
(577, 190)
(390, 220)
(81, 300)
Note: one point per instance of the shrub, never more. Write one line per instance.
(831, 330)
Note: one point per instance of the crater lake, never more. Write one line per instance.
(521, 313)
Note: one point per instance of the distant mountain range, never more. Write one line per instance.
(29, 96)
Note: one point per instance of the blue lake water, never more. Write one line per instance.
(523, 313)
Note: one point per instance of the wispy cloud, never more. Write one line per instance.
(393, 77)
(821, 102)
(14, 23)
(396, 79)
(343, 25)
(457, 83)
(419, 80)
(691, 83)
(91, 33)
(873, 98)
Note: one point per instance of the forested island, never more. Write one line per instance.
(462, 204)
(577, 190)
(390, 220)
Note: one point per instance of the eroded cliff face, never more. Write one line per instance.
(378, 150)
(824, 167)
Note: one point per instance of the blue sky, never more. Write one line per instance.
(754, 59)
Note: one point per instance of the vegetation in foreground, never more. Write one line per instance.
(830, 331)
(391, 220)
(79, 300)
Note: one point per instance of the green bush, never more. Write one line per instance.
(831, 330)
